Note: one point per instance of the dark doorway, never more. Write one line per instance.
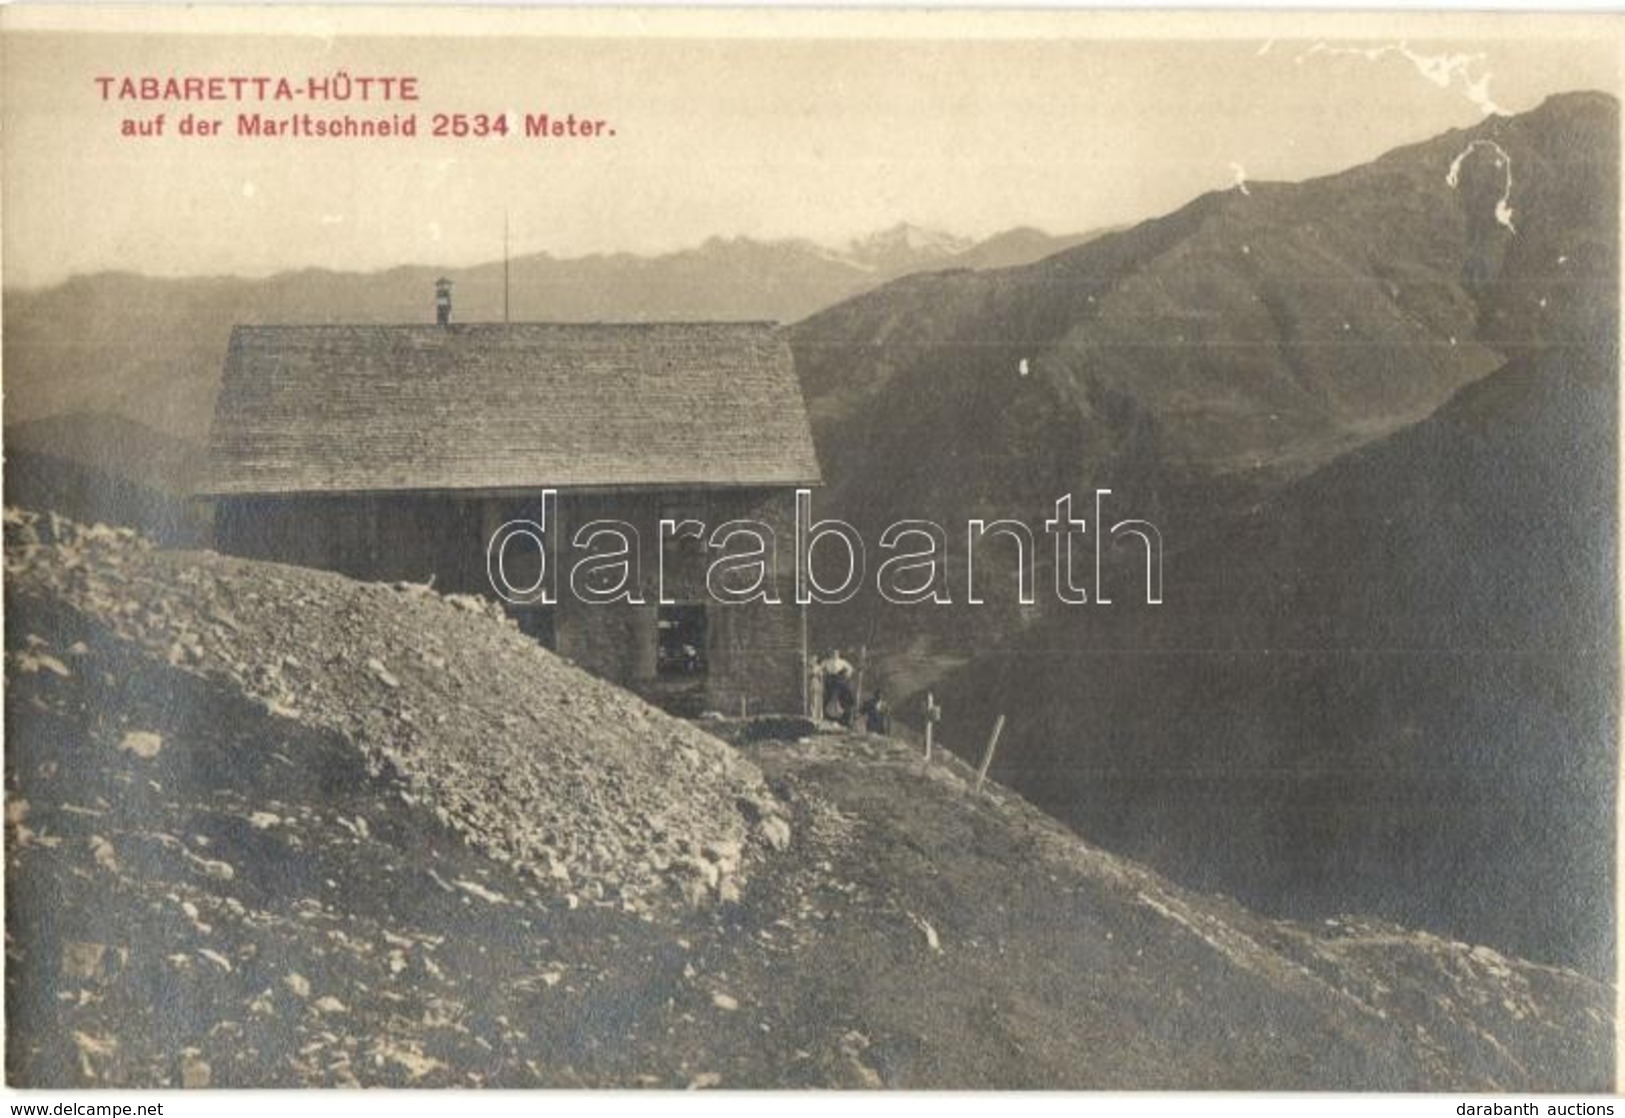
(681, 633)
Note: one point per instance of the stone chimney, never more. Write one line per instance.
(442, 301)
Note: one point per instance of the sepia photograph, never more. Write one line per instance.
(786, 550)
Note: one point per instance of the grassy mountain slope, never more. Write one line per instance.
(1248, 337)
(1389, 688)
(97, 467)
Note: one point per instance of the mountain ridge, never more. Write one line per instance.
(150, 349)
(1195, 363)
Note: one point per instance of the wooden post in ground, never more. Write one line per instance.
(987, 755)
(806, 669)
(857, 692)
(932, 713)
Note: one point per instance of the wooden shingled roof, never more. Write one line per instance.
(334, 409)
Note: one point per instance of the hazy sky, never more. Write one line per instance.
(763, 136)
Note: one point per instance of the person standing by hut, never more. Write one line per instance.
(838, 698)
(877, 713)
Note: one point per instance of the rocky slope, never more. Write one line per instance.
(268, 826)
(587, 790)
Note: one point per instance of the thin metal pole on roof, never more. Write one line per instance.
(504, 267)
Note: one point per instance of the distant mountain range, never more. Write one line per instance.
(151, 349)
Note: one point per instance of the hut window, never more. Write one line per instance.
(681, 633)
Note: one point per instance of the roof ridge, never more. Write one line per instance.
(326, 407)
